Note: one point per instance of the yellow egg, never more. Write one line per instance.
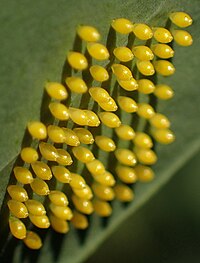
(145, 156)
(77, 60)
(105, 179)
(76, 84)
(105, 143)
(40, 187)
(79, 220)
(17, 208)
(142, 31)
(164, 67)
(35, 207)
(70, 137)
(181, 19)
(121, 72)
(77, 181)
(85, 193)
(163, 92)
(83, 154)
(143, 140)
(56, 90)
(78, 116)
(125, 156)
(64, 158)
(17, 228)
(125, 132)
(109, 105)
(84, 135)
(123, 54)
(29, 155)
(145, 67)
(110, 119)
(162, 35)
(37, 130)
(40, 221)
(82, 205)
(93, 120)
(126, 174)
(145, 110)
(103, 192)
(123, 193)
(17, 193)
(164, 136)
(32, 240)
(144, 173)
(59, 111)
(58, 198)
(62, 212)
(42, 170)
(48, 151)
(23, 175)
(127, 104)
(95, 167)
(99, 73)
(163, 51)
(142, 52)
(88, 33)
(182, 38)
(129, 85)
(160, 121)
(62, 174)
(122, 25)
(145, 86)
(102, 208)
(99, 94)
(56, 134)
(59, 225)
(98, 51)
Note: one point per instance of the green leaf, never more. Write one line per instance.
(35, 38)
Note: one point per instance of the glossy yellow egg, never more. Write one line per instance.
(123, 193)
(78, 116)
(58, 198)
(40, 221)
(62, 174)
(129, 85)
(64, 158)
(182, 38)
(42, 170)
(70, 137)
(125, 156)
(163, 92)
(29, 155)
(142, 52)
(143, 140)
(85, 193)
(145, 156)
(164, 67)
(40, 187)
(103, 192)
(126, 174)
(102, 208)
(59, 111)
(160, 121)
(127, 104)
(17, 228)
(59, 225)
(83, 154)
(56, 134)
(99, 73)
(23, 175)
(123, 54)
(122, 25)
(17, 193)
(88, 33)
(93, 120)
(99, 94)
(105, 178)
(144, 173)
(146, 86)
(32, 240)
(82, 205)
(35, 207)
(77, 60)
(121, 72)
(62, 212)
(181, 19)
(164, 136)
(145, 67)
(95, 167)
(56, 90)
(142, 31)
(110, 105)
(37, 130)
(79, 220)
(98, 51)
(162, 35)
(17, 208)
(145, 110)
(77, 181)
(163, 51)
(110, 119)
(84, 135)
(105, 143)
(48, 151)
(125, 132)
(76, 84)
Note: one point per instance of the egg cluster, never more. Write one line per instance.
(49, 190)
